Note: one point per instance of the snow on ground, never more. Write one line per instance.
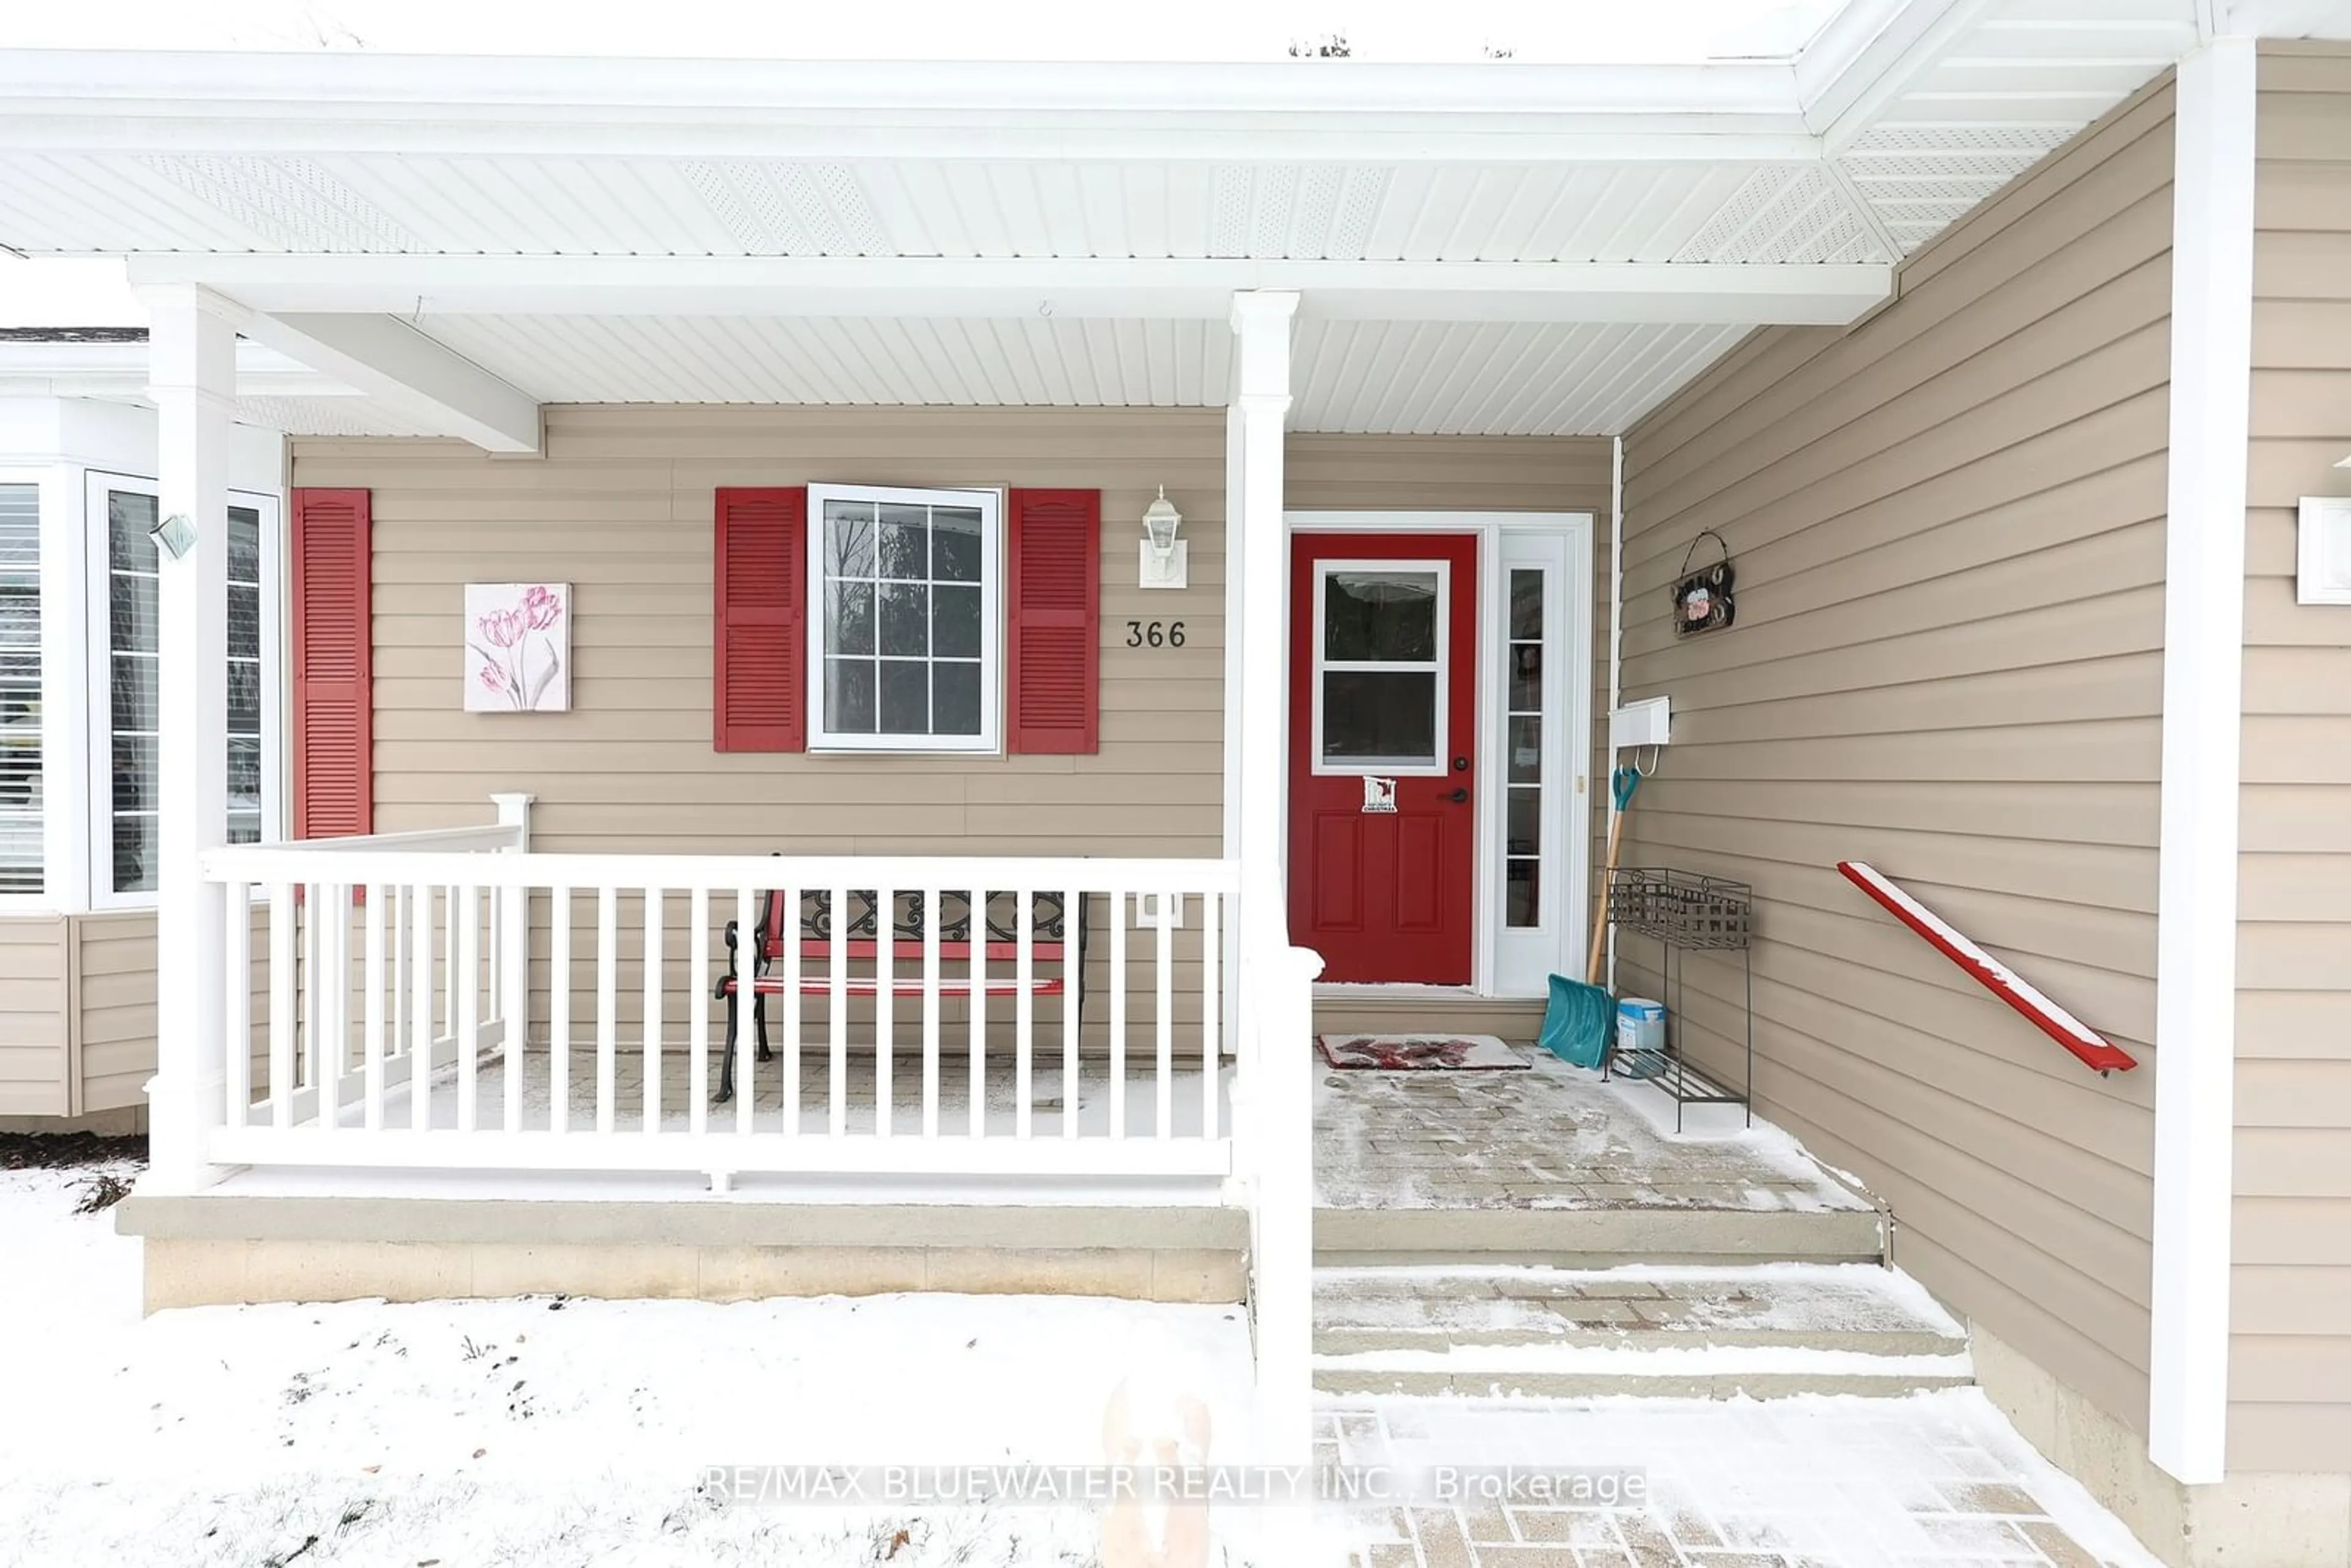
(538, 1431)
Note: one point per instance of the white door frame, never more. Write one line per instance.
(1575, 625)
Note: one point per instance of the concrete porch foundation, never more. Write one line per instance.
(221, 1247)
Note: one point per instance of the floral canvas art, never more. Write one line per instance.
(518, 647)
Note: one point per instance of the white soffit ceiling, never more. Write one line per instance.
(1985, 106)
(1933, 115)
(1427, 378)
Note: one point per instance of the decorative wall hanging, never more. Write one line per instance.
(518, 647)
(1702, 597)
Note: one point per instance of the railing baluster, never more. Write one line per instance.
(653, 979)
(511, 940)
(608, 993)
(788, 940)
(747, 968)
(1171, 910)
(398, 1040)
(314, 1034)
(1073, 985)
(284, 915)
(931, 913)
(978, 908)
(558, 1010)
(236, 1036)
(419, 1008)
(449, 968)
(1211, 1017)
(885, 988)
(334, 1002)
(698, 1010)
(1024, 1011)
(837, 1119)
(1120, 906)
(371, 1009)
(469, 932)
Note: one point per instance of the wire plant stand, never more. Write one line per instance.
(1683, 913)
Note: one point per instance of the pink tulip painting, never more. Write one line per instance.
(518, 647)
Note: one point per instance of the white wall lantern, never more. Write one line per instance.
(175, 536)
(2322, 564)
(1166, 558)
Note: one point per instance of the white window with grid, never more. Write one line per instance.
(906, 619)
(125, 568)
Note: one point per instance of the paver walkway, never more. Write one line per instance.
(1848, 1482)
(1551, 1137)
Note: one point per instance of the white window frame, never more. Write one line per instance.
(1440, 668)
(1524, 957)
(42, 481)
(98, 656)
(993, 599)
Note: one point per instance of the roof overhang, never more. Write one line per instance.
(461, 237)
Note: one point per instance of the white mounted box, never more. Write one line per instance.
(2322, 556)
(1648, 722)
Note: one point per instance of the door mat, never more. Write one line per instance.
(1419, 1053)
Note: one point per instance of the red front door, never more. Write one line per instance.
(1384, 736)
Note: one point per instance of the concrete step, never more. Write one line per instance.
(1599, 1235)
(1763, 1331)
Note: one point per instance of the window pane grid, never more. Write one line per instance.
(133, 719)
(133, 645)
(20, 689)
(1522, 727)
(904, 614)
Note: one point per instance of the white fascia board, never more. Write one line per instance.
(384, 357)
(1849, 78)
(421, 286)
(143, 101)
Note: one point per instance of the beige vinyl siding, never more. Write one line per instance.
(35, 1056)
(621, 507)
(1948, 526)
(115, 991)
(1464, 474)
(2290, 1370)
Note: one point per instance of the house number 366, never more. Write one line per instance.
(1154, 633)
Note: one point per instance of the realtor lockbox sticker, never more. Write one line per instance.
(1379, 795)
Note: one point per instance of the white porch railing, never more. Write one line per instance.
(381, 1013)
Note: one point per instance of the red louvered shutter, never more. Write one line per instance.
(1053, 594)
(761, 701)
(334, 715)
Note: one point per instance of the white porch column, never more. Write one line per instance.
(1258, 560)
(2203, 687)
(191, 366)
(1276, 1009)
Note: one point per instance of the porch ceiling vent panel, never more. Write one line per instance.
(288, 204)
(774, 208)
(758, 703)
(334, 688)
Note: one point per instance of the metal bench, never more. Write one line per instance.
(990, 964)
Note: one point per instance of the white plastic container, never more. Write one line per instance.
(1640, 1025)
